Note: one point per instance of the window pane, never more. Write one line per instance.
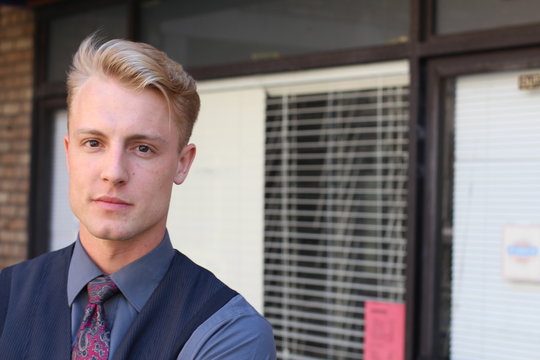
(335, 215)
(454, 16)
(493, 236)
(66, 34)
(218, 32)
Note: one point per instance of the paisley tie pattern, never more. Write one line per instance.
(93, 336)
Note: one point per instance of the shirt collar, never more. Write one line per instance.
(137, 280)
(81, 270)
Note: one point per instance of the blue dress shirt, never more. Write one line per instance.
(236, 331)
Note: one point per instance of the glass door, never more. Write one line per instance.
(490, 216)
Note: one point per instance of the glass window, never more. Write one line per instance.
(335, 218)
(491, 229)
(454, 16)
(66, 33)
(218, 32)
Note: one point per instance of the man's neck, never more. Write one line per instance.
(112, 255)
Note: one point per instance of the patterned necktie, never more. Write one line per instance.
(94, 335)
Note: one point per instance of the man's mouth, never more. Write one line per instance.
(111, 203)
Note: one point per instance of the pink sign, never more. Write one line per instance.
(384, 331)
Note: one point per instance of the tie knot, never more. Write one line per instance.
(101, 289)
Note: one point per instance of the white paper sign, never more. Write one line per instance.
(521, 252)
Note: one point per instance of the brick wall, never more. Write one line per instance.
(16, 74)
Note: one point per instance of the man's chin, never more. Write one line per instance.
(111, 234)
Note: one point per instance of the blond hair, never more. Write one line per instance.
(138, 66)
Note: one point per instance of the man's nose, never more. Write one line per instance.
(115, 167)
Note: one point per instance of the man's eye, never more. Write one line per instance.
(92, 143)
(143, 148)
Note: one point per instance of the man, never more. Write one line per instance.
(121, 291)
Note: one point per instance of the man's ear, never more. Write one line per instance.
(184, 163)
(66, 147)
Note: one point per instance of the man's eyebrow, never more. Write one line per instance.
(89, 132)
(147, 137)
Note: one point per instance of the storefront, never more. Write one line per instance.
(366, 173)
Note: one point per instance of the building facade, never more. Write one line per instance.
(366, 171)
(16, 90)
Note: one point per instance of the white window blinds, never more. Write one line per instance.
(496, 172)
(335, 214)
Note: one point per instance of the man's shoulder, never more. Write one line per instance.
(237, 308)
(237, 325)
(38, 262)
(242, 320)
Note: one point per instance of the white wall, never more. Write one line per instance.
(216, 216)
(64, 225)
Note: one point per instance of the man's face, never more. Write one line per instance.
(122, 154)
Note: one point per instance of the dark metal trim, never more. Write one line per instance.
(133, 19)
(38, 199)
(419, 32)
(430, 279)
(488, 40)
(40, 179)
(304, 62)
(48, 90)
(428, 17)
(414, 208)
(486, 62)
(60, 8)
